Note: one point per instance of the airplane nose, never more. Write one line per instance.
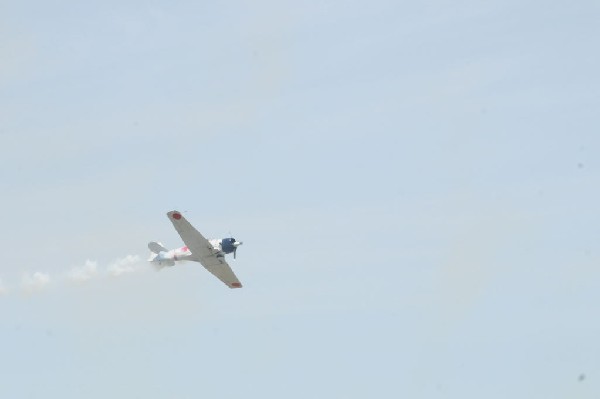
(237, 243)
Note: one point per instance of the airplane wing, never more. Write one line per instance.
(203, 251)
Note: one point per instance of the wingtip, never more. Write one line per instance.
(174, 215)
(235, 285)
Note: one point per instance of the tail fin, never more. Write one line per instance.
(156, 247)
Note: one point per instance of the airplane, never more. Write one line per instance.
(209, 253)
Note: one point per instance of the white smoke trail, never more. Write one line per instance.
(128, 264)
(38, 281)
(35, 282)
(80, 274)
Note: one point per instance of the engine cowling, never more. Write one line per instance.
(229, 245)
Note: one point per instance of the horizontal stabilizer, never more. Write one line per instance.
(156, 247)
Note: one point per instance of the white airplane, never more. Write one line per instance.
(210, 253)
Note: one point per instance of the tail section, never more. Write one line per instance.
(156, 247)
(161, 256)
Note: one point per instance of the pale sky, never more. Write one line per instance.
(416, 186)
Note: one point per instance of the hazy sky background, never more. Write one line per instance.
(416, 185)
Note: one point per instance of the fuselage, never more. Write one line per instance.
(173, 255)
(168, 258)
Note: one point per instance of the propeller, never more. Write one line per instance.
(235, 247)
